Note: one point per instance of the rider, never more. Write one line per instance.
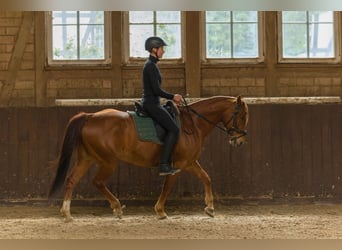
(152, 92)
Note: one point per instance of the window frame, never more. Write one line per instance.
(139, 60)
(256, 60)
(334, 60)
(50, 62)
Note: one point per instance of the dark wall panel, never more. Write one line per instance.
(292, 150)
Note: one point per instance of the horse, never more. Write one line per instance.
(109, 136)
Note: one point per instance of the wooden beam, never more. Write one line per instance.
(340, 45)
(192, 56)
(271, 56)
(16, 58)
(117, 49)
(249, 100)
(40, 56)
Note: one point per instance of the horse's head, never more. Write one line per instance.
(236, 122)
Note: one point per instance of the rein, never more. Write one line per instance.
(229, 131)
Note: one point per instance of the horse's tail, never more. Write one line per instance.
(72, 138)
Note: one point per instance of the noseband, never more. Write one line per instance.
(230, 130)
(234, 128)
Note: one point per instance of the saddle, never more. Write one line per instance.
(169, 106)
(147, 128)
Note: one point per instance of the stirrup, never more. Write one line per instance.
(173, 171)
(167, 169)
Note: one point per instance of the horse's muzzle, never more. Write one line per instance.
(237, 141)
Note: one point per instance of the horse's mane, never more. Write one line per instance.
(197, 105)
(208, 100)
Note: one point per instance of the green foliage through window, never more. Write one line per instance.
(78, 35)
(232, 34)
(308, 34)
(165, 24)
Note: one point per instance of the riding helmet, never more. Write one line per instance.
(154, 42)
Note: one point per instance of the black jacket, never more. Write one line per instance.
(152, 83)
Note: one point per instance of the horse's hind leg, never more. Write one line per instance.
(105, 171)
(76, 174)
(199, 172)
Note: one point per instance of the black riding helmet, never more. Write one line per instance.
(154, 42)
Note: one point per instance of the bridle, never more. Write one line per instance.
(229, 131)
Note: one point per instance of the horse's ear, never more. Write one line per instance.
(239, 98)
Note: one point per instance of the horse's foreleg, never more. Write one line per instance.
(104, 173)
(200, 173)
(65, 210)
(78, 171)
(168, 184)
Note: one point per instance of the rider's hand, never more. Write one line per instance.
(177, 98)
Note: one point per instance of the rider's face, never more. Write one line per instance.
(159, 52)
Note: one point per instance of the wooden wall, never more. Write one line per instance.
(26, 80)
(293, 150)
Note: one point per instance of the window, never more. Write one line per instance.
(307, 35)
(165, 24)
(78, 37)
(232, 34)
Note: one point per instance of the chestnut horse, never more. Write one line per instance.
(109, 136)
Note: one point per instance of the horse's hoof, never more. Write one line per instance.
(66, 215)
(160, 213)
(209, 211)
(162, 217)
(118, 211)
(68, 219)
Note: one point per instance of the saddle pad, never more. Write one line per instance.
(145, 128)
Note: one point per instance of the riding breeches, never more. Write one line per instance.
(162, 117)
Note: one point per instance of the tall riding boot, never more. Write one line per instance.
(165, 167)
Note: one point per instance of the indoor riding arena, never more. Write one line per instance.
(285, 182)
